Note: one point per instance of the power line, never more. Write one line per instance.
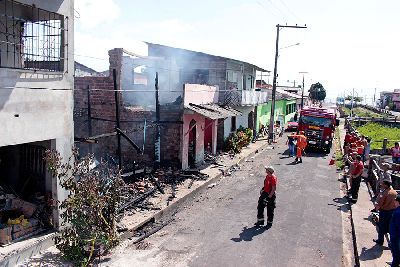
(269, 10)
(290, 11)
(278, 9)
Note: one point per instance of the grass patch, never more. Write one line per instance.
(338, 152)
(378, 132)
(362, 112)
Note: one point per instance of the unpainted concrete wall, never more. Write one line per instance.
(200, 94)
(29, 114)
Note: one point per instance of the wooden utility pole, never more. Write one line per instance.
(117, 115)
(272, 118)
(89, 114)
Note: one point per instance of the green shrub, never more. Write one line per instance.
(236, 141)
(90, 210)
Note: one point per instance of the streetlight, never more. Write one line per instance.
(289, 46)
(302, 90)
(272, 118)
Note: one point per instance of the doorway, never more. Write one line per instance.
(250, 120)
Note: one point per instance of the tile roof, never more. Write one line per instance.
(213, 111)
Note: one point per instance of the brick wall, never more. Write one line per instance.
(102, 100)
(103, 121)
(171, 134)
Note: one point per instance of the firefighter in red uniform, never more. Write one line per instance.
(267, 198)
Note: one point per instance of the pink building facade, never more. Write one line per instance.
(201, 117)
(199, 132)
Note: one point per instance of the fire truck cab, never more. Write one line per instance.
(318, 125)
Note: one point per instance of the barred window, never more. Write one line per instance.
(31, 38)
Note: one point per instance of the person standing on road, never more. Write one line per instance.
(394, 232)
(396, 153)
(301, 146)
(355, 179)
(385, 174)
(385, 204)
(267, 198)
(291, 144)
(367, 149)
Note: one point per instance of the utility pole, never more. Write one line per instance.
(272, 118)
(352, 103)
(302, 90)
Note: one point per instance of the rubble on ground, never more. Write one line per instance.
(21, 219)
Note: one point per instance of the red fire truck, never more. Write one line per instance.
(318, 125)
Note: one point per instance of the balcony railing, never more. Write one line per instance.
(244, 97)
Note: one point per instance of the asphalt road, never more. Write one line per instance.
(217, 228)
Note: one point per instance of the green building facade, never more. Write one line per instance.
(284, 111)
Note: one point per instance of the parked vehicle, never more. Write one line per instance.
(318, 125)
(292, 126)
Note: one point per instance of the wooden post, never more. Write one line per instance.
(89, 114)
(117, 118)
(385, 143)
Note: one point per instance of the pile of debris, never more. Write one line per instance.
(20, 219)
(145, 183)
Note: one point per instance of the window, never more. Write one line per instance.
(31, 38)
(233, 124)
(232, 76)
(248, 82)
(200, 76)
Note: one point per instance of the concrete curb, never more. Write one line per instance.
(44, 242)
(173, 207)
(350, 259)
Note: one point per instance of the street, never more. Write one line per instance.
(216, 229)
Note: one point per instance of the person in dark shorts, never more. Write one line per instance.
(267, 198)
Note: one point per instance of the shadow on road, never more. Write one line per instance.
(342, 204)
(247, 234)
(371, 253)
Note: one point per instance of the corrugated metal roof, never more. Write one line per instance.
(213, 111)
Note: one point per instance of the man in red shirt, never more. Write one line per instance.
(355, 177)
(267, 198)
(347, 138)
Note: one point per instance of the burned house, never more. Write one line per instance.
(169, 110)
(36, 105)
(235, 79)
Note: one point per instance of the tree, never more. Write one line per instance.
(357, 99)
(317, 92)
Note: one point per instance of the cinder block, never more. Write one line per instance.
(5, 235)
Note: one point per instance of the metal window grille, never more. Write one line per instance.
(31, 38)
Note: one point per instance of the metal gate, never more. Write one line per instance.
(33, 167)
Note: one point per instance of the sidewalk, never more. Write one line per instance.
(163, 205)
(369, 254)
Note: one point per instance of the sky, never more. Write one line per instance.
(347, 44)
